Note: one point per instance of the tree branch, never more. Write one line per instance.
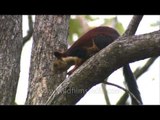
(125, 90)
(123, 99)
(128, 74)
(137, 73)
(101, 65)
(105, 93)
(30, 31)
(133, 25)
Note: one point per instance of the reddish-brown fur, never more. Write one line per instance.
(86, 46)
(86, 39)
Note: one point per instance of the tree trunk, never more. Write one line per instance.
(50, 34)
(10, 51)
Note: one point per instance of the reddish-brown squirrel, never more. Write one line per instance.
(85, 47)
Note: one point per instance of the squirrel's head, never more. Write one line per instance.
(59, 65)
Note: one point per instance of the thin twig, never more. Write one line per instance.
(108, 83)
(137, 74)
(123, 99)
(30, 31)
(105, 93)
(139, 71)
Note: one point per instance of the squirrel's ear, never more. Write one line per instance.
(58, 55)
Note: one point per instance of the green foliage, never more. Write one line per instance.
(108, 21)
(155, 24)
(90, 18)
(76, 28)
(115, 24)
(119, 27)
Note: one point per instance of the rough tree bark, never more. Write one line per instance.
(124, 50)
(10, 50)
(50, 34)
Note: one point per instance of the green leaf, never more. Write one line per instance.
(155, 24)
(75, 28)
(90, 18)
(119, 27)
